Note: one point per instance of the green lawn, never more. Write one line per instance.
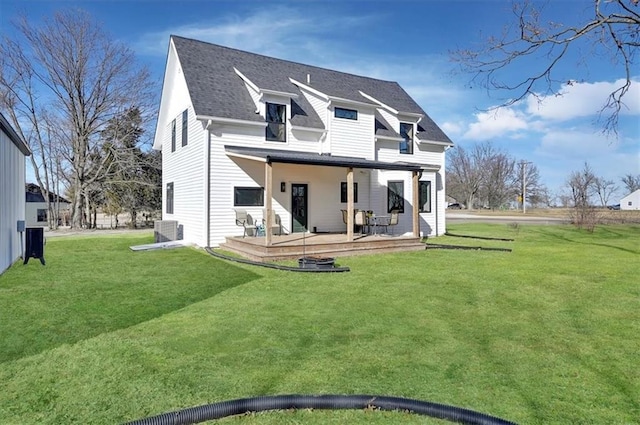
(546, 334)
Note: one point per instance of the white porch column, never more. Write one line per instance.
(350, 204)
(268, 193)
(416, 207)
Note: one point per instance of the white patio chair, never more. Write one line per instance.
(246, 221)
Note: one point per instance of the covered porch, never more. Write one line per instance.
(337, 245)
(302, 188)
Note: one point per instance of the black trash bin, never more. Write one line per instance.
(35, 244)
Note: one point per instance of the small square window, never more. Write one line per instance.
(347, 114)
(42, 215)
(343, 192)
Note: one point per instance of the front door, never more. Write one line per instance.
(298, 207)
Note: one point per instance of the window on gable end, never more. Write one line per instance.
(173, 136)
(185, 126)
(276, 116)
(406, 132)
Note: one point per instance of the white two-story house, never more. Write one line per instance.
(239, 130)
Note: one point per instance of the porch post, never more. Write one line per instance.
(416, 207)
(268, 183)
(350, 204)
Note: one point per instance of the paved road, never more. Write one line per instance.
(466, 217)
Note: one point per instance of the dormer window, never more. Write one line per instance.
(406, 132)
(276, 122)
(347, 114)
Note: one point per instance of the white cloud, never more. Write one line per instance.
(576, 144)
(583, 100)
(279, 31)
(452, 129)
(498, 123)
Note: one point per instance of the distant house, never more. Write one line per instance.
(242, 131)
(13, 151)
(37, 213)
(631, 201)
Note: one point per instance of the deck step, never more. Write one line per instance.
(254, 249)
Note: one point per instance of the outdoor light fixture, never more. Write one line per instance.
(283, 186)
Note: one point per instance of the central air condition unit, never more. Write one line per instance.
(165, 231)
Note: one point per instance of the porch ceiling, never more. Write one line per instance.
(328, 160)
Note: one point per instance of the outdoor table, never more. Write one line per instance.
(378, 220)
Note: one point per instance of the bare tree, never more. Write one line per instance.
(612, 30)
(631, 182)
(499, 182)
(604, 189)
(85, 77)
(484, 176)
(581, 184)
(528, 181)
(464, 176)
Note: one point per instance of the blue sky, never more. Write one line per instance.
(406, 41)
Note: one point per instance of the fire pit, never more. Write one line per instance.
(316, 262)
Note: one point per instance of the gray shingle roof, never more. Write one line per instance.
(216, 90)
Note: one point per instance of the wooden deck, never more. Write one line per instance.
(297, 245)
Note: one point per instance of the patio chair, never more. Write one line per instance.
(246, 221)
(393, 220)
(276, 223)
(344, 217)
(361, 220)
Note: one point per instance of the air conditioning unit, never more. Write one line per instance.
(165, 231)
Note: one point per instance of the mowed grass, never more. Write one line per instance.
(546, 334)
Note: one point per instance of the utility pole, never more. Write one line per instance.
(523, 165)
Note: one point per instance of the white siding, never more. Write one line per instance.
(32, 213)
(631, 201)
(186, 169)
(353, 137)
(12, 200)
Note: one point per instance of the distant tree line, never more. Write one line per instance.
(81, 102)
(486, 177)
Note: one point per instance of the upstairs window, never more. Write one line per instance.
(347, 114)
(276, 118)
(185, 126)
(173, 136)
(406, 132)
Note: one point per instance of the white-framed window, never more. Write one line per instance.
(169, 203)
(347, 114)
(406, 132)
(276, 117)
(248, 196)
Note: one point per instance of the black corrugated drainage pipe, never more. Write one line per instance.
(223, 409)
